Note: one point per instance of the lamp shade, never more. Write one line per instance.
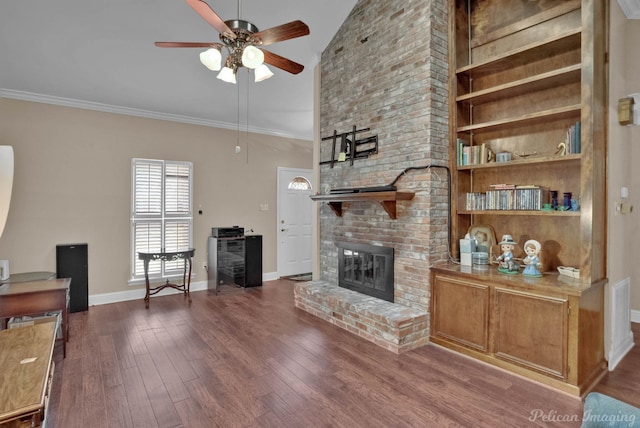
(212, 59)
(262, 73)
(227, 75)
(6, 183)
(252, 57)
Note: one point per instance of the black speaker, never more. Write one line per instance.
(72, 261)
(253, 260)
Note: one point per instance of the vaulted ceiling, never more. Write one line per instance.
(101, 55)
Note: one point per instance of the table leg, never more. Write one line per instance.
(65, 331)
(146, 280)
(188, 283)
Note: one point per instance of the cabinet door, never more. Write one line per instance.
(460, 312)
(531, 330)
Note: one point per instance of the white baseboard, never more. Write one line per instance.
(635, 316)
(138, 293)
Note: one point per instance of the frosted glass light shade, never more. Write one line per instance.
(252, 57)
(262, 73)
(212, 59)
(227, 75)
(6, 183)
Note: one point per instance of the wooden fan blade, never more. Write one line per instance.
(287, 31)
(205, 11)
(188, 45)
(282, 63)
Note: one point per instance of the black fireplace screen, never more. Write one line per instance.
(367, 269)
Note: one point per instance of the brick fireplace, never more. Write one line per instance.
(386, 69)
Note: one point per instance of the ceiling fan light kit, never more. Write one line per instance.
(212, 59)
(227, 74)
(240, 38)
(262, 72)
(252, 57)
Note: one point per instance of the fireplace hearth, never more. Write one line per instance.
(367, 269)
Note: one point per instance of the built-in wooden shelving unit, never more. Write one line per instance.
(524, 75)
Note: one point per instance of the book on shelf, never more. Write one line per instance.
(508, 197)
(573, 140)
(470, 154)
(461, 145)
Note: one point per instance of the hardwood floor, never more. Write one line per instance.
(251, 359)
(622, 383)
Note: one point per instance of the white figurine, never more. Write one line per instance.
(505, 260)
(532, 261)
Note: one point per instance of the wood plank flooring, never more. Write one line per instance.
(251, 359)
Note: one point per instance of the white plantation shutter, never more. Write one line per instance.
(147, 238)
(162, 217)
(177, 189)
(148, 188)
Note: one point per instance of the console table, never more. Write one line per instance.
(26, 360)
(168, 256)
(37, 297)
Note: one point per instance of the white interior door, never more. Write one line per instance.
(294, 221)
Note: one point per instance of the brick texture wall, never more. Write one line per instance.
(387, 69)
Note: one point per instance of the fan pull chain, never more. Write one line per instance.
(247, 117)
(238, 124)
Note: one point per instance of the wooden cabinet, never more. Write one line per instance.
(531, 330)
(462, 314)
(542, 328)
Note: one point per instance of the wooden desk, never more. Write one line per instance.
(186, 255)
(27, 366)
(36, 297)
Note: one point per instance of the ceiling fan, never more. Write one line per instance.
(242, 39)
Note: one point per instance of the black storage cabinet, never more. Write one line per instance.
(72, 261)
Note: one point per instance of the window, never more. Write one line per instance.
(299, 183)
(161, 213)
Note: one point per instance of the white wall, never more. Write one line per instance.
(624, 156)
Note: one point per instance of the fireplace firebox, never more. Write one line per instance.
(367, 269)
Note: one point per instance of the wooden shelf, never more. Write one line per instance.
(536, 117)
(551, 79)
(523, 213)
(532, 160)
(527, 53)
(386, 199)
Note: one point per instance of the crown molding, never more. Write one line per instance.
(631, 8)
(88, 105)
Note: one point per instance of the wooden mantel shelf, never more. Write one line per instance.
(387, 200)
